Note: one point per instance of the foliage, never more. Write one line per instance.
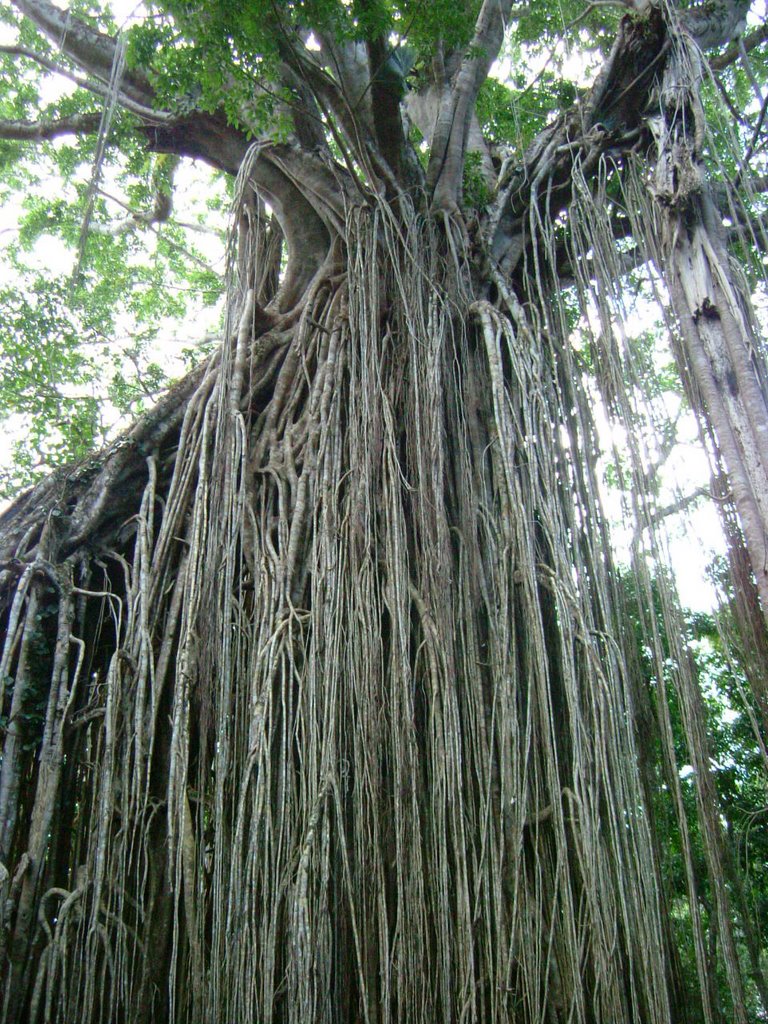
(60, 320)
(736, 763)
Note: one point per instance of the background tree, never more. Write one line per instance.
(322, 698)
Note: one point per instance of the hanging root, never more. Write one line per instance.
(339, 722)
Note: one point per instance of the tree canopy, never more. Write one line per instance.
(325, 693)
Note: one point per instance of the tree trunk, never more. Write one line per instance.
(720, 349)
(342, 688)
(400, 750)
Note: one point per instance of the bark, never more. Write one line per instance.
(91, 49)
(449, 139)
(721, 352)
(36, 131)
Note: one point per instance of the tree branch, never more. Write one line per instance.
(304, 112)
(658, 515)
(446, 163)
(711, 25)
(38, 131)
(750, 42)
(387, 90)
(142, 110)
(751, 230)
(160, 213)
(150, 221)
(308, 199)
(348, 61)
(306, 204)
(90, 49)
(423, 107)
(608, 119)
(352, 135)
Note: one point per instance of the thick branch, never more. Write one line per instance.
(387, 90)
(92, 50)
(306, 117)
(348, 61)
(446, 164)
(423, 107)
(349, 131)
(309, 200)
(713, 25)
(750, 42)
(38, 131)
(609, 120)
(142, 110)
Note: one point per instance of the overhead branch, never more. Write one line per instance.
(387, 90)
(711, 25)
(750, 230)
(307, 197)
(387, 86)
(143, 110)
(162, 183)
(305, 116)
(90, 49)
(657, 516)
(351, 134)
(749, 42)
(607, 121)
(423, 106)
(739, 50)
(159, 212)
(39, 131)
(306, 202)
(347, 60)
(150, 221)
(446, 165)
(362, 86)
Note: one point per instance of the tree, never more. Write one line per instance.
(322, 699)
